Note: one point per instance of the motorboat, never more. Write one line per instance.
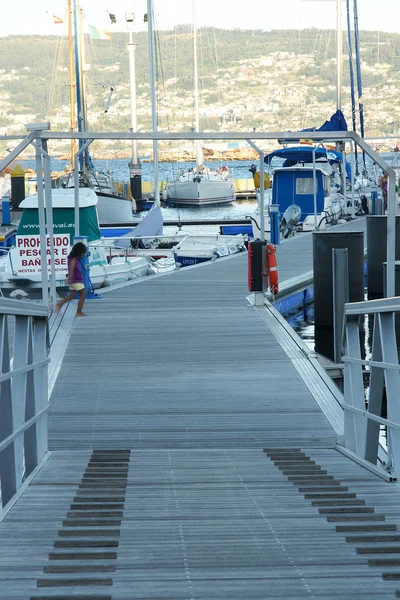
(201, 186)
(195, 249)
(21, 266)
(309, 179)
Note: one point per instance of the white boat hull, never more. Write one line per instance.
(203, 193)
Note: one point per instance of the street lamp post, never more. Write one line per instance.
(135, 169)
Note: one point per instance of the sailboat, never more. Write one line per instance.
(200, 186)
(114, 203)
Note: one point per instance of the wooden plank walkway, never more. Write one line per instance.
(192, 460)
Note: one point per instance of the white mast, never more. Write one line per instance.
(153, 99)
(198, 146)
(339, 51)
(196, 80)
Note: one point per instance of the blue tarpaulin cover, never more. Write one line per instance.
(337, 122)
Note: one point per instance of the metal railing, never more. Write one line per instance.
(363, 407)
(23, 394)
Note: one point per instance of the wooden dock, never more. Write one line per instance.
(193, 456)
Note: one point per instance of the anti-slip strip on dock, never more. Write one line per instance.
(337, 504)
(91, 530)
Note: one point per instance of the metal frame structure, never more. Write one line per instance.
(361, 424)
(249, 137)
(23, 395)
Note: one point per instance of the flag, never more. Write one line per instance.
(99, 34)
(57, 20)
(208, 152)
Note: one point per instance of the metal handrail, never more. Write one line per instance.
(362, 436)
(24, 394)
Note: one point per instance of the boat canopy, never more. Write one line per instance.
(304, 154)
(63, 214)
(64, 222)
(64, 198)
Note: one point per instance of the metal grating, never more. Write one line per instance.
(80, 558)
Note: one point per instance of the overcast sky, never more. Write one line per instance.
(35, 16)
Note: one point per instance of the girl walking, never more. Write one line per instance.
(75, 278)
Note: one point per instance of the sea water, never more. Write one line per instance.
(238, 169)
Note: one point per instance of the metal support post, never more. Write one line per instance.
(340, 282)
(49, 221)
(391, 234)
(42, 223)
(5, 210)
(314, 188)
(274, 223)
(352, 171)
(261, 206)
(344, 186)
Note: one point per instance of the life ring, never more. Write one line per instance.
(272, 267)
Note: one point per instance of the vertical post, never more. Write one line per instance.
(352, 170)
(261, 204)
(42, 222)
(314, 188)
(391, 234)
(344, 174)
(153, 99)
(5, 210)
(8, 480)
(135, 171)
(340, 281)
(262, 198)
(49, 219)
(274, 223)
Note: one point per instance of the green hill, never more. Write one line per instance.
(279, 80)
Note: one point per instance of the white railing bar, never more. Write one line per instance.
(22, 308)
(371, 363)
(370, 416)
(22, 370)
(15, 434)
(372, 306)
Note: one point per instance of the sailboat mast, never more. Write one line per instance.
(78, 81)
(339, 52)
(196, 78)
(72, 121)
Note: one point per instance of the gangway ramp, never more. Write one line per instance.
(190, 459)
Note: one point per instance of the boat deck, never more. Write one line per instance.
(193, 456)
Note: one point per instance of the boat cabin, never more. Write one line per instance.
(63, 201)
(295, 185)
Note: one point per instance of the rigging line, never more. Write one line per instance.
(159, 64)
(55, 87)
(353, 98)
(91, 58)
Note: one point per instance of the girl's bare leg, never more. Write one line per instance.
(71, 296)
(81, 303)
